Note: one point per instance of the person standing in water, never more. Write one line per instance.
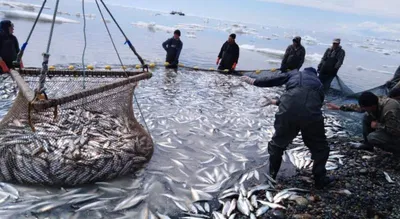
(294, 56)
(228, 57)
(331, 63)
(9, 47)
(173, 47)
(299, 110)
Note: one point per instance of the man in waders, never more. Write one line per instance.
(294, 56)
(331, 63)
(228, 57)
(9, 47)
(395, 80)
(299, 110)
(173, 46)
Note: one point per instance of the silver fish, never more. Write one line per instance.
(242, 205)
(130, 202)
(387, 177)
(262, 210)
(271, 205)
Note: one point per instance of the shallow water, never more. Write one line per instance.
(208, 128)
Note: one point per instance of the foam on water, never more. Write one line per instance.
(32, 16)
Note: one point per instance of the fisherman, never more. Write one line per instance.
(395, 80)
(9, 47)
(294, 56)
(331, 63)
(381, 123)
(299, 110)
(228, 57)
(173, 46)
(394, 94)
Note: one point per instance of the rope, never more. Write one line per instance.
(46, 55)
(85, 44)
(119, 58)
(109, 34)
(21, 52)
(126, 38)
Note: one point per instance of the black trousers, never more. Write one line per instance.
(287, 128)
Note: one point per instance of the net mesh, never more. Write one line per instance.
(90, 139)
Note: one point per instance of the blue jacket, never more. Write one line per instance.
(304, 94)
(173, 48)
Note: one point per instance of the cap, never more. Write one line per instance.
(368, 99)
(297, 39)
(233, 36)
(337, 40)
(177, 32)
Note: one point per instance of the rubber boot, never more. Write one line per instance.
(275, 159)
(323, 182)
(366, 147)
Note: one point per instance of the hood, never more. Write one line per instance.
(5, 25)
(311, 69)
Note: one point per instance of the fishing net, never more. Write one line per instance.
(81, 134)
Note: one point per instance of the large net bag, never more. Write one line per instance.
(70, 127)
(78, 135)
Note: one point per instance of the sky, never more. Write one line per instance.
(376, 15)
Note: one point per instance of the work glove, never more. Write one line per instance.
(218, 60)
(234, 66)
(248, 80)
(4, 66)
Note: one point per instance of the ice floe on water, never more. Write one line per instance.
(152, 26)
(315, 57)
(32, 16)
(23, 6)
(361, 68)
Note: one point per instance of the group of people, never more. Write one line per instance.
(300, 107)
(293, 58)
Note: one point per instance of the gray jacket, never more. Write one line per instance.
(337, 54)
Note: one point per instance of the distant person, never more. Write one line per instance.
(381, 123)
(173, 46)
(294, 56)
(299, 110)
(9, 47)
(395, 80)
(331, 63)
(228, 57)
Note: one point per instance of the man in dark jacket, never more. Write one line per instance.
(229, 54)
(395, 80)
(9, 46)
(331, 63)
(299, 110)
(173, 46)
(294, 56)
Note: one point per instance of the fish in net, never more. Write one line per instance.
(78, 135)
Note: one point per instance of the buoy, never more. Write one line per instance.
(107, 67)
(196, 67)
(212, 69)
(71, 67)
(226, 70)
(152, 65)
(273, 70)
(181, 65)
(90, 67)
(258, 71)
(138, 66)
(123, 67)
(52, 67)
(166, 63)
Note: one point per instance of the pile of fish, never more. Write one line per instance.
(79, 147)
(300, 157)
(252, 202)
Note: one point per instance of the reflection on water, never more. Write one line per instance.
(208, 128)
